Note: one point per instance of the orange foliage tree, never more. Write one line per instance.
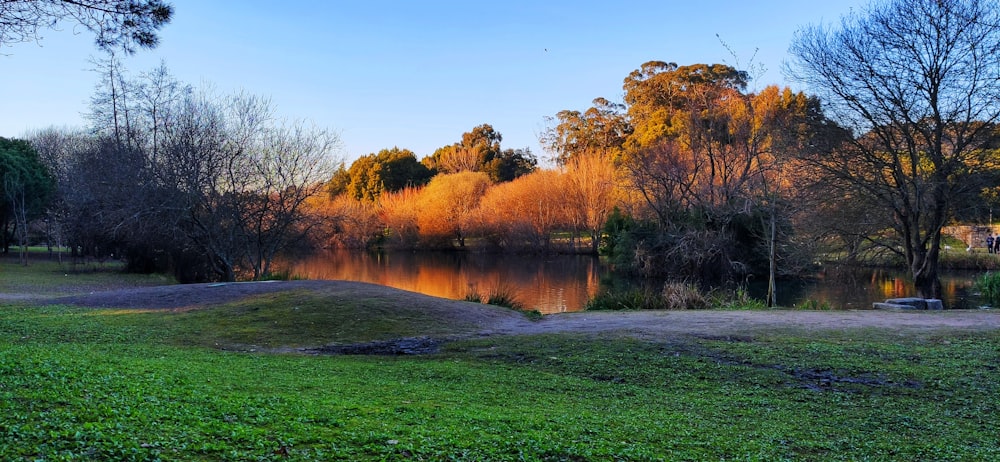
(447, 206)
(398, 212)
(525, 211)
(708, 160)
(591, 188)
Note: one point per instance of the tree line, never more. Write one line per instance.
(173, 178)
(711, 180)
(690, 176)
(695, 173)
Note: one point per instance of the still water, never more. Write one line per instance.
(557, 283)
(550, 284)
(857, 288)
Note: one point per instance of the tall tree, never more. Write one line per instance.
(592, 181)
(117, 24)
(217, 185)
(707, 157)
(510, 164)
(447, 205)
(918, 82)
(26, 187)
(239, 180)
(388, 170)
(687, 115)
(603, 127)
(476, 148)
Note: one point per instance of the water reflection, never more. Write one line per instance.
(549, 284)
(857, 288)
(557, 283)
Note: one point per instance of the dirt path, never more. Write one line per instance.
(499, 321)
(733, 323)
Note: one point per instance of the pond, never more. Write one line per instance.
(856, 288)
(557, 283)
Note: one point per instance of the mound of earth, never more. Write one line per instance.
(500, 321)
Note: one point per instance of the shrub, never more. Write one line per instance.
(739, 300)
(473, 296)
(989, 286)
(630, 299)
(673, 296)
(503, 295)
(683, 296)
(814, 305)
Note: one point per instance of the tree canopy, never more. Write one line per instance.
(603, 127)
(385, 171)
(26, 185)
(117, 24)
(480, 151)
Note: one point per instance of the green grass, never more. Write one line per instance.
(115, 396)
(86, 384)
(49, 277)
(280, 320)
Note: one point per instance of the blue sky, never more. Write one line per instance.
(413, 74)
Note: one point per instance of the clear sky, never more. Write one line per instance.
(414, 74)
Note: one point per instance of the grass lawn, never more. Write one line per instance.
(88, 384)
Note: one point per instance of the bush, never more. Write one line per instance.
(683, 296)
(989, 286)
(502, 295)
(814, 305)
(673, 296)
(473, 296)
(739, 300)
(676, 295)
(505, 296)
(630, 299)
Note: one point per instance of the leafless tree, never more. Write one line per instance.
(213, 186)
(918, 82)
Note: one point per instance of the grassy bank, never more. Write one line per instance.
(87, 384)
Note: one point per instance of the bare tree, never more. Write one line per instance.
(291, 164)
(14, 189)
(918, 82)
(242, 180)
(213, 187)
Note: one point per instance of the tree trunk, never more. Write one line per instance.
(595, 242)
(772, 295)
(924, 269)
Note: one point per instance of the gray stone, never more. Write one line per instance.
(913, 302)
(890, 306)
(934, 304)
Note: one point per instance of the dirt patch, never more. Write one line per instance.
(401, 346)
(737, 325)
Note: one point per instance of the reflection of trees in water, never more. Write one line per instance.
(546, 283)
(858, 288)
(565, 282)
